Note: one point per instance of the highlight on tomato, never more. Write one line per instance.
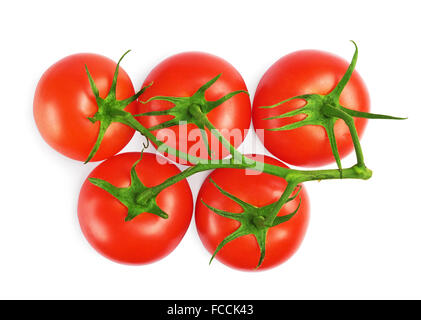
(68, 97)
(186, 87)
(230, 213)
(123, 220)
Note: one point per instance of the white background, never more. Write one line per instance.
(364, 237)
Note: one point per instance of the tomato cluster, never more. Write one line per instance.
(135, 208)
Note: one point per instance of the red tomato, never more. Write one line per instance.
(147, 237)
(64, 101)
(259, 190)
(182, 75)
(306, 72)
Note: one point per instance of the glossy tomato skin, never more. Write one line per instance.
(306, 72)
(243, 253)
(64, 100)
(181, 75)
(147, 237)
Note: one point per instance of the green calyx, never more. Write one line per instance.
(137, 198)
(109, 108)
(325, 110)
(253, 221)
(191, 109)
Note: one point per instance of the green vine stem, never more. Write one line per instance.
(204, 122)
(320, 110)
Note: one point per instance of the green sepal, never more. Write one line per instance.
(191, 109)
(137, 197)
(278, 220)
(109, 108)
(367, 115)
(253, 221)
(325, 110)
(240, 232)
(261, 241)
